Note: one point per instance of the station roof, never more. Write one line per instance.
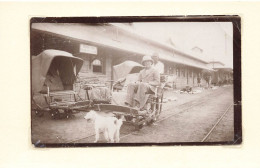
(184, 53)
(79, 32)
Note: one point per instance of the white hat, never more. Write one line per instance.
(147, 58)
(155, 54)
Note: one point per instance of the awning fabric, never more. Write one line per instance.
(66, 63)
(127, 67)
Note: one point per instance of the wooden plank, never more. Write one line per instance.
(116, 108)
(59, 93)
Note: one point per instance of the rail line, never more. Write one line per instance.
(222, 116)
(168, 116)
(171, 115)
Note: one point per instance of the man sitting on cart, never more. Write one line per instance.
(148, 79)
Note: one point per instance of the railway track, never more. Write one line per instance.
(207, 135)
(125, 135)
(218, 121)
(191, 105)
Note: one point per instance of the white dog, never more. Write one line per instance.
(109, 125)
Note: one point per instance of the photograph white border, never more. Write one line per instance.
(16, 146)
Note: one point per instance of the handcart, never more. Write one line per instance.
(53, 75)
(124, 74)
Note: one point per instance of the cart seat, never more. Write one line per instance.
(90, 86)
(62, 96)
(118, 98)
(122, 83)
(63, 92)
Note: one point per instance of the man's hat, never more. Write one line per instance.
(155, 54)
(147, 58)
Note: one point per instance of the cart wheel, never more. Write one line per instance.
(151, 121)
(128, 118)
(55, 114)
(68, 114)
(39, 113)
(52, 115)
(138, 127)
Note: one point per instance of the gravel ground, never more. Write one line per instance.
(189, 126)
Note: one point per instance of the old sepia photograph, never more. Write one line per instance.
(133, 81)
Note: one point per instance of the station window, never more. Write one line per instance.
(97, 65)
(177, 72)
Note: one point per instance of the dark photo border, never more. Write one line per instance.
(236, 21)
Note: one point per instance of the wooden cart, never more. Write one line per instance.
(54, 73)
(153, 107)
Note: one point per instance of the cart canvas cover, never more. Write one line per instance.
(125, 68)
(129, 71)
(55, 68)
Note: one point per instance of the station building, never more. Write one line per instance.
(221, 74)
(102, 46)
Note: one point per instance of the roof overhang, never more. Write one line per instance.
(81, 33)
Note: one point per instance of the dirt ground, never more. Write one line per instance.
(186, 126)
(192, 125)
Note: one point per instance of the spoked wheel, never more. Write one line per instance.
(151, 112)
(55, 114)
(138, 124)
(152, 119)
(39, 113)
(138, 127)
(155, 116)
(68, 114)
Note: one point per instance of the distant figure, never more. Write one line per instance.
(208, 80)
(199, 80)
(158, 65)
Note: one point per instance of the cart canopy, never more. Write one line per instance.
(127, 67)
(55, 69)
